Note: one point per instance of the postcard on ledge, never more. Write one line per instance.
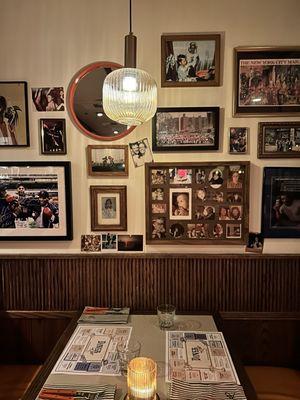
(104, 315)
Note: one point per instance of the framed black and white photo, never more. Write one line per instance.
(35, 201)
(53, 136)
(278, 140)
(107, 160)
(141, 152)
(238, 140)
(186, 129)
(190, 60)
(281, 202)
(14, 128)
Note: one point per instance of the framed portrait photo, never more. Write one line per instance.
(186, 129)
(238, 140)
(194, 203)
(267, 81)
(108, 208)
(14, 128)
(281, 202)
(107, 160)
(190, 60)
(35, 201)
(278, 140)
(53, 136)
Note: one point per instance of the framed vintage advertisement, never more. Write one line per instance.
(267, 81)
(190, 60)
(14, 128)
(108, 208)
(196, 203)
(53, 136)
(35, 201)
(278, 140)
(107, 160)
(186, 129)
(281, 202)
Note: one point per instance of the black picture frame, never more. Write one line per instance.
(14, 126)
(183, 129)
(281, 202)
(53, 136)
(266, 81)
(25, 210)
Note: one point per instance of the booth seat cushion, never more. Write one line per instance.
(14, 380)
(274, 383)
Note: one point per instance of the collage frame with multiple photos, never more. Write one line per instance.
(206, 188)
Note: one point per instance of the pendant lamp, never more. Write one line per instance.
(129, 94)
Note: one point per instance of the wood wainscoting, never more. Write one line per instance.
(193, 282)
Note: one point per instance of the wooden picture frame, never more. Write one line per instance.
(266, 81)
(53, 136)
(194, 203)
(281, 202)
(14, 126)
(189, 60)
(185, 129)
(35, 201)
(108, 208)
(107, 160)
(278, 140)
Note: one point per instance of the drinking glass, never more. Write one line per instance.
(126, 352)
(166, 315)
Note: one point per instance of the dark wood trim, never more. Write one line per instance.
(23, 314)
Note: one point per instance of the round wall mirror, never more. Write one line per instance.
(84, 103)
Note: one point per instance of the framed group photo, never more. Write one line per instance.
(107, 160)
(190, 60)
(281, 202)
(278, 140)
(14, 127)
(186, 129)
(35, 201)
(108, 208)
(267, 81)
(197, 203)
(53, 136)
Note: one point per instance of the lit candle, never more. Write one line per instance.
(141, 379)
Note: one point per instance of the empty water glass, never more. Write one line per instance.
(126, 352)
(166, 315)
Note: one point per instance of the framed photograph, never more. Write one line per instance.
(48, 99)
(35, 201)
(281, 202)
(278, 140)
(141, 152)
(53, 136)
(91, 243)
(186, 129)
(107, 160)
(238, 140)
(14, 128)
(267, 81)
(190, 60)
(255, 242)
(108, 208)
(194, 203)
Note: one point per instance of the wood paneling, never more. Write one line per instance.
(257, 283)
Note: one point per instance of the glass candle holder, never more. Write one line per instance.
(141, 379)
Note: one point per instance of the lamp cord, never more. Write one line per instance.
(130, 18)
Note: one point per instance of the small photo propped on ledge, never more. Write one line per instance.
(255, 243)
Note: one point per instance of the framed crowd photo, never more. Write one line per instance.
(14, 127)
(107, 160)
(281, 202)
(278, 140)
(194, 203)
(238, 140)
(53, 136)
(267, 81)
(190, 60)
(186, 129)
(35, 201)
(108, 208)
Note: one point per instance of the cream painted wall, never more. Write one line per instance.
(46, 42)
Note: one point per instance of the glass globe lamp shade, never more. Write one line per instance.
(129, 96)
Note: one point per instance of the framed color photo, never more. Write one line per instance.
(14, 129)
(108, 208)
(107, 160)
(186, 129)
(190, 60)
(279, 140)
(238, 140)
(35, 201)
(196, 203)
(281, 202)
(267, 81)
(53, 136)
